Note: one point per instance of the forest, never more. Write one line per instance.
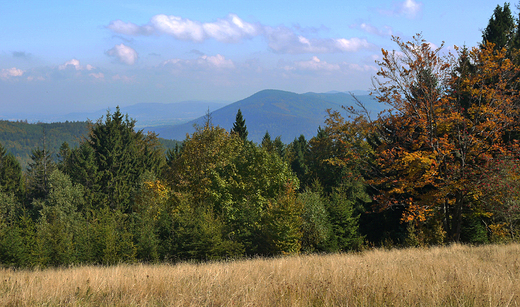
(439, 166)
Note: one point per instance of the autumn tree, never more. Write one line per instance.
(446, 119)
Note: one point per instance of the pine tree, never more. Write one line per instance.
(239, 127)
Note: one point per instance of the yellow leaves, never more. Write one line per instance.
(415, 213)
(499, 230)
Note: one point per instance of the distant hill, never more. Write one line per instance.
(20, 138)
(282, 113)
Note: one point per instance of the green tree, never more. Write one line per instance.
(316, 228)
(501, 28)
(239, 127)
(60, 222)
(267, 143)
(10, 174)
(121, 155)
(296, 152)
(38, 174)
(238, 184)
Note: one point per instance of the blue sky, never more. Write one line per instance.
(70, 56)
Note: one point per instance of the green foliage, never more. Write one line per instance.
(10, 174)
(343, 210)
(281, 225)
(121, 155)
(20, 138)
(237, 184)
(13, 250)
(316, 227)
(295, 154)
(38, 183)
(501, 28)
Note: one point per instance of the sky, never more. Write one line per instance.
(58, 57)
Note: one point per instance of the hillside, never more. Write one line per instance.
(281, 113)
(20, 138)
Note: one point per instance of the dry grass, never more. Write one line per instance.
(442, 276)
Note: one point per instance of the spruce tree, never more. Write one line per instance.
(38, 173)
(501, 28)
(10, 174)
(239, 127)
(267, 143)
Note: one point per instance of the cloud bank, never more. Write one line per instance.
(233, 29)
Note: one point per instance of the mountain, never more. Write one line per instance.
(282, 113)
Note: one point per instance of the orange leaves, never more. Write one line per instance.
(448, 115)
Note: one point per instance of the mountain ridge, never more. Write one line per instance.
(281, 113)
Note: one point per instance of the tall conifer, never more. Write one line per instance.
(239, 127)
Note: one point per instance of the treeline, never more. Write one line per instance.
(20, 138)
(118, 197)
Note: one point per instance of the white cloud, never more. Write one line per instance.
(383, 31)
(230, 29)
(124, 54)
(317, 65)
(410, 8)
(7, 73)
(353, 44)
(233, 29)
(314, 64)
(129, 28)
(74, 64)
(407, 8)
(218, 61)
(285, 40)
(178, 27)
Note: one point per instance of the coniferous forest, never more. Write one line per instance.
(440, 166)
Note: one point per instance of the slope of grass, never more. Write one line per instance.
(440, 276)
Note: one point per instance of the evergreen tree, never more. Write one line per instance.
(121, 155)
(239, 127)
(267, 143)
(296, 156)
(10, 174)
(279, 147)
(501, 28)
(38, 173)
(84, 170)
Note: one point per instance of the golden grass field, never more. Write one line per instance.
(456, 275)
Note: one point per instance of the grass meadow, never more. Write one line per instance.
(455, 275)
